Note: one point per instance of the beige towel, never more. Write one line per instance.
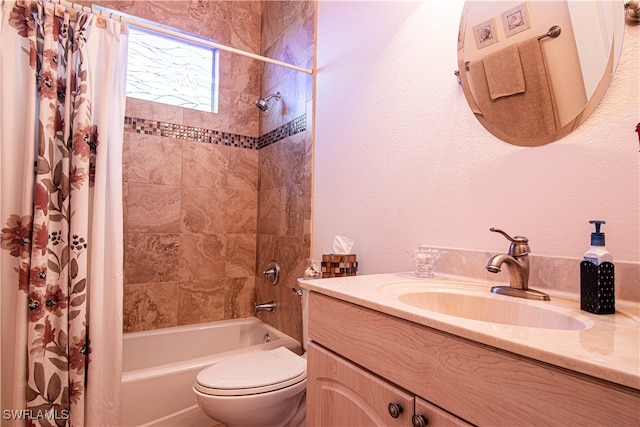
(524, 118)
(504, 72)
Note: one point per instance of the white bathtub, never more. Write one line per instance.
(160, 366)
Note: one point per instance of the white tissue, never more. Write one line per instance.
(342, 245)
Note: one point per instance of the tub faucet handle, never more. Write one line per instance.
(272, 273)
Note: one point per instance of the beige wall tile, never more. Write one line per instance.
(270, 211)
(204, 210)
(202, 256)
(202, 14)
(153, 208)
(201, 301)
(242, 211)
(150, 306)
(245, 34)
(125, 201)
(243, 165)
(243, 73)
(239, 298)
(151, 257)
(154, 159)
(125, 156)
(270, 168)
(295, 152)
(267, 250)
(293, 204)
(244, 114)
(240, 255)
(272, 22)
(204, 165)
(153, 111)
(207, 120)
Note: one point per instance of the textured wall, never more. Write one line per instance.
(395, 133)
(198, 233)
(191, 207)
(190, 224)
(284, 180)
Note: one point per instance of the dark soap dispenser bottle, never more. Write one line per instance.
(597, 276)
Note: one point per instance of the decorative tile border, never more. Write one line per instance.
(295, 126)
(210, 136)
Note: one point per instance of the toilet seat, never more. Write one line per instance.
(252, 373)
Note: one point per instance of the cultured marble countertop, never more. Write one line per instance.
(608, 348)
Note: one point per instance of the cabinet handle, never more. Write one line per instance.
(419, 420)
(394, 409)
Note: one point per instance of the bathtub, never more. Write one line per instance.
(160, 367)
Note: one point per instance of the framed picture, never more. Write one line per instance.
(515, 20)
(485, 33)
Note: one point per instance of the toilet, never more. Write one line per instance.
(260, 388)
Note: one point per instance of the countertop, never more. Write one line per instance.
(608, 348)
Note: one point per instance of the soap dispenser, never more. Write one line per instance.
(597, 278)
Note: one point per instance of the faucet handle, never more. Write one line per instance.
(519, 244)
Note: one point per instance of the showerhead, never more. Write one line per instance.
(263, 104)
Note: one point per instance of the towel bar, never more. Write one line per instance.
(553, 32)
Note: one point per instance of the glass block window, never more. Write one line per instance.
(172, 71)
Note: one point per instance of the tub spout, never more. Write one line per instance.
(267, 306)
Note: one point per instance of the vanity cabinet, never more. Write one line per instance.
(340, 393)
(360, 360)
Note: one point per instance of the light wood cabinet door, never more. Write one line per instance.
(341, 394)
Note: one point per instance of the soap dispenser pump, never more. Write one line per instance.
(597, 276)
(597, 253)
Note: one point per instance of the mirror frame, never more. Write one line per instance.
(497, 129)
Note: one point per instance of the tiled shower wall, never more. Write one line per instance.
(192, 214)
(190, 224)
(284, 178)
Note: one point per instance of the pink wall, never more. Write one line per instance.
(400, 159)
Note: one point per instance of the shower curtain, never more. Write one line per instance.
(62, 85)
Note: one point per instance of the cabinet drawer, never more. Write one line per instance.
(478, 383)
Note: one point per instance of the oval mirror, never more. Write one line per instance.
(533, 71)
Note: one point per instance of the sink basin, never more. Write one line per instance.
(488, 307)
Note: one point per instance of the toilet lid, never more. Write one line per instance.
(257, 371)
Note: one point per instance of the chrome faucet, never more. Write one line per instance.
(517, 261)
(267, 306)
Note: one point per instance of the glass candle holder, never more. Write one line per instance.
(424, 258)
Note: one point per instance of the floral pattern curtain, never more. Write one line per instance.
(61, 118)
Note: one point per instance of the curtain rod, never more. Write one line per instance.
(176, 34)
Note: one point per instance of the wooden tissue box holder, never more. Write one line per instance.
(339, 265)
